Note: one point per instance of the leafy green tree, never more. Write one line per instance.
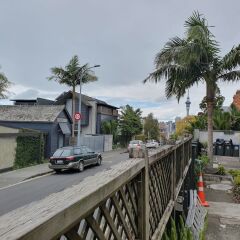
(110, 127)
(4, 85)
(194, 59)
(129, 123)
(70, 76)
(235, 118)
(200, 123)
(151, 127)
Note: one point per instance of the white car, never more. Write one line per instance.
(152, 144)
(136, 144)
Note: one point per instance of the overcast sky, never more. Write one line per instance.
(122, 36)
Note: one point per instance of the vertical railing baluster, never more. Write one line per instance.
(143, 201)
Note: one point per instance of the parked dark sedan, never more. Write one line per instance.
(74, 158)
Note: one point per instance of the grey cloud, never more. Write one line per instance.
(123, 36)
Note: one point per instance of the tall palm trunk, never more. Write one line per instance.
(210, 104)
(73, 110)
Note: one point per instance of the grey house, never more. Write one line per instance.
(94, 111)
(53, 120)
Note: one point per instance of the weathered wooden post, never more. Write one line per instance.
(173, 173)
(143, 203)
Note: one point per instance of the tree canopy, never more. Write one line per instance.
(70, 74)
(4, 85)
(193, 59)
(151, 127)
(129, 123)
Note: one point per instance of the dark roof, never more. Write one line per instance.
(40, 101)
(61, 99)
(30, 113)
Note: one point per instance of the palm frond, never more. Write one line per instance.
(230, 76)
(232, 59)
(70, 75)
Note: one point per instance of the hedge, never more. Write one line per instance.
(29, 151)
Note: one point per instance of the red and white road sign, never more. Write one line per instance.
(77, 116)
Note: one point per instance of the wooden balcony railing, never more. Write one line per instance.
(132, 200)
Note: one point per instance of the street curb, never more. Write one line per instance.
(217, 178)
(38, 175)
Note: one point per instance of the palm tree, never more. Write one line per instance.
(184, 62)
(4, 84)
(70, 76)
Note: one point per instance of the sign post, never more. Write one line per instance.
(77, 116)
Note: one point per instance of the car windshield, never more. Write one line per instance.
(134, 142)
(63, 153)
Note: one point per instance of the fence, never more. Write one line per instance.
(132, 200)
(98, 143)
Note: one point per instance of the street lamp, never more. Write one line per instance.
(80, 102)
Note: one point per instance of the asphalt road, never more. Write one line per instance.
(36, 189)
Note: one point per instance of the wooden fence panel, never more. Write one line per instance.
(132, 200)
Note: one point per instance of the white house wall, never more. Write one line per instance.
(203, 136)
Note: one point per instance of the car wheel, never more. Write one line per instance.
(99, 161)
(81, 166)
(57, 171)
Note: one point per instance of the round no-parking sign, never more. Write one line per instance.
(77, 116)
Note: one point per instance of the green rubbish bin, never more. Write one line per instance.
(236, 150)
(214, 149)
(228, 149)
(220, 149)
(194, 149)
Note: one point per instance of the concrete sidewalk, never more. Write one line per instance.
(223, 213)
(19, 175)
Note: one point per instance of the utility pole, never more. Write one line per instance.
(81, 75)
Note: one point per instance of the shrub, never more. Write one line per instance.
(221, 170)
(234, 173)
(237, 180)
(204, 160)
(236, 188)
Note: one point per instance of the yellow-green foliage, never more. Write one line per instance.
(237, 180)
(236, 188)
(234, 173)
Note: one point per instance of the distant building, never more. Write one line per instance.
(170, 128)
(52, 120)
(177, 119)
(37, 101)
(163, 129)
